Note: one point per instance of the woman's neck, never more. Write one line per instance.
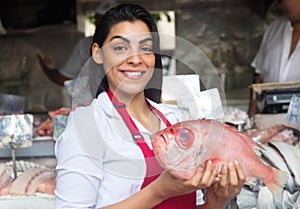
(138, 108)
(145, 116)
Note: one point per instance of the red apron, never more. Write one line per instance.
(153, 169)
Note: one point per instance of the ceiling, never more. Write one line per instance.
(32, 13)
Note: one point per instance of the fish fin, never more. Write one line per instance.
(257, 148)
(277, 183)
(251, 181)
(258, 152)
(244, 137)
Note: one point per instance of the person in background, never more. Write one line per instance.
(78, 57)
(278, 57)
(104, 156)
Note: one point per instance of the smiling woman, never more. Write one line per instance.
(146, 29)
(105, 158)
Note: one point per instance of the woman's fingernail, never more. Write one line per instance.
(218, 168)
(209, 163)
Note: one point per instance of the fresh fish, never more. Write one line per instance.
(291, 156)
(265, 199)
(182, 147)
(297, 203)
(290, 200)
(246, 198)
(275, 159)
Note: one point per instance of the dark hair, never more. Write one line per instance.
(132, 12)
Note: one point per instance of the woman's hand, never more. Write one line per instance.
(167, 186)
(232, 178)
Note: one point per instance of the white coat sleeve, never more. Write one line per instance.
(78, 174)
(260, 57)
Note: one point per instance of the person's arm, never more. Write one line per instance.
(221, 188)
(166, 186)
(52, 73)
(222, 192)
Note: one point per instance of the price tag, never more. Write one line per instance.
(16, 130)
(293, 114)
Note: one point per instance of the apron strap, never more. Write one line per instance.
(153, 169)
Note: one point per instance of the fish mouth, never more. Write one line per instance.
(158, 136)
(164, 139)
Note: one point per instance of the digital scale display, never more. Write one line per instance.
(277, 101)
(279, 98)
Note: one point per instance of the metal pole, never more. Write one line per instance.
(13, 154)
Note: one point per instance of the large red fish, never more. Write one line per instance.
(182, 147)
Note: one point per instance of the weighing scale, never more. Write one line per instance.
(277, 101)
(272, 98)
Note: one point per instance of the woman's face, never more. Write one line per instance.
(128, 57)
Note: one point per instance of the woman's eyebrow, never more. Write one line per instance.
(128, 41)
(120, 37)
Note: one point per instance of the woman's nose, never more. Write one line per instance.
(135, 59)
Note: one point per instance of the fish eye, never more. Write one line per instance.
(185, 138)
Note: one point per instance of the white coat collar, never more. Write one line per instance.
(106, 105)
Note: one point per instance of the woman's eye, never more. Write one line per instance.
(147, 49)
(120, 48)
(185, 138)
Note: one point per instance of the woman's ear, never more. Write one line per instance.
(96, 53)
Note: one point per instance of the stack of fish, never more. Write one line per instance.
(282, 153)
(31, 179)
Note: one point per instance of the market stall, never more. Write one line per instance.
(27, 164)
(27, 159)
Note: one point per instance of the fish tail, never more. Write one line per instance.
(277, 183)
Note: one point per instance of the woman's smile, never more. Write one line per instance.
(132, 74)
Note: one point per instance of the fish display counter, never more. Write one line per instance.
(278, 134)
(33, 188)
(27, 164)
(27, 172)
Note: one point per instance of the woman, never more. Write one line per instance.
(104, 156)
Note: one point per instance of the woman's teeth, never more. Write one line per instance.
(133, 74)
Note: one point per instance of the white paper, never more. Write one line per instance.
(293, 114)
(205, 104)
(176, 86)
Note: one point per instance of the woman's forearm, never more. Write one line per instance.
(146, 198)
